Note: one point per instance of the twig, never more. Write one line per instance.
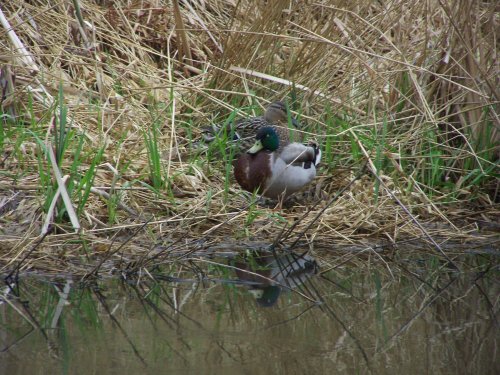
(50, 211)
(62, 189)
(24, 55)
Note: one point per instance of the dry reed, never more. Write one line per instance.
(409, 68)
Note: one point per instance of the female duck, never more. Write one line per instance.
(276, 115)
(274, 171)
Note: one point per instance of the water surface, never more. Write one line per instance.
(363, 316)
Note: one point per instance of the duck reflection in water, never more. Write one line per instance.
(267, 273)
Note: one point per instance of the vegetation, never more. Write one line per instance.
(104, 103)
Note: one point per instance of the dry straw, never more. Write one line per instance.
(392, 73)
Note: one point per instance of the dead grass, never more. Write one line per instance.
(412, 69)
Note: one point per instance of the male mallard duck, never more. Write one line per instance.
(276, 115)
(276, 169)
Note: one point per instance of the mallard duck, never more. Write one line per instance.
(276, 169)
(244, 130)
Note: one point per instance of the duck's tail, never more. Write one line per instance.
(317, 153)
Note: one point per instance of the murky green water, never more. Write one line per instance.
(403, 318)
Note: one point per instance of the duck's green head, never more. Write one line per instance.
(265, 139)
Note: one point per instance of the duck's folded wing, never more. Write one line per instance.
(297, 153)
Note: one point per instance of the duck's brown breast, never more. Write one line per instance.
(253, 172)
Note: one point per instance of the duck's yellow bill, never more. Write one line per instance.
(256, 147)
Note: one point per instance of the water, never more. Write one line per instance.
(364, 316)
